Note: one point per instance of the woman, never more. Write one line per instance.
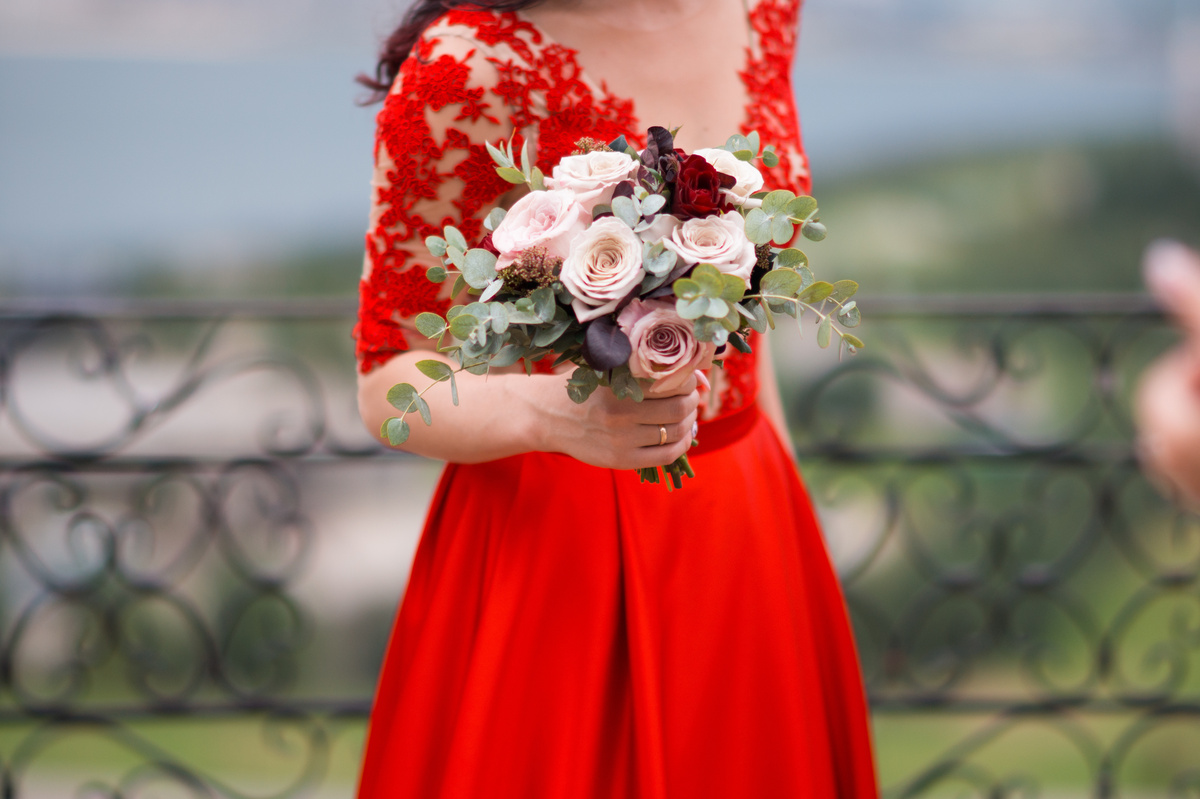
(566, 631)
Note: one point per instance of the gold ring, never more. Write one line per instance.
(662, 435)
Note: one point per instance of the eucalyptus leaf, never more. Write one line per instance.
(400, 396)
(600, 210)
(807, 277)
(782, 230)
(436, 245)
(802, 208)
(499, 317)
(691, 309)
(824, 328)
(744, 155)
(758, 317)
(753, 141)
(507, 356)
(537, 180)
(436, 274)
(498, 155)
(780, 282)
(435, 370)
(423, 409)
(463, 325)
(686, 288)
(776, 202)
(396, 431)
(495, 218)
(843, 290)
(814, 231)
(548, 334)
(659, 263)
(768, 314)
(853, 341)
(625, 386)
(653, 204)
(736, 142)
(460, 285)
(758, 226)
(717, 308)
(733, 288)
(791, 258)
(709, 279)
(491, 290)
(479, 268)
(849, 315)
(740, 344)
(511, 174)
(455, 238)
(455, 255)
(453, 390)
(770, 158)
(477, 368)
(624, 209)
(817, 292)
(430, 324)
(543, 303)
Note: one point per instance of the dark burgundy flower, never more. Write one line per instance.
(698, 189)
(486, 244)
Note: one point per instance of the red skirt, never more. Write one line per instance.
(568, 632)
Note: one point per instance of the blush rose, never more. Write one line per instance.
(547, 219)
(717, 240)
(665, 349)
(592, 176)
(604, 265)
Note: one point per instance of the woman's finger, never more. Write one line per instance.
(1172, 272)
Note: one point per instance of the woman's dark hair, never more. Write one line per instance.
(419, 16)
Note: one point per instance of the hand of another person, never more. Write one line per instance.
(620, 433)
(1168, 401)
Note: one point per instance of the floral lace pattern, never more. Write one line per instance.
(484, 76)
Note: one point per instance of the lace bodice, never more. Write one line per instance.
(484, 76)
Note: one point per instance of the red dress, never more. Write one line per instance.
(566, 631)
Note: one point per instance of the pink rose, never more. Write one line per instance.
(665, 349)
(604, 265)
(592, 177)
(717, 240)
(548, 219)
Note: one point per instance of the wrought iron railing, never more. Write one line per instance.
(177, 477)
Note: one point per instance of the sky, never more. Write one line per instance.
(200, 131)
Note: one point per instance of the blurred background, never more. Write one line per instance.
(200, 549)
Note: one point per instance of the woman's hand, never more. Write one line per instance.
(1168, 402)
(620, 433)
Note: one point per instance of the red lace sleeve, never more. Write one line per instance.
(431, 169)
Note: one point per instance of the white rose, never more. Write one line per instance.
(592, 177)
(549, 219)
(717, 240)
(749, 179)
(604, 265)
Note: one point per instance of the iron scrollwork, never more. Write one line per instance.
(1012, 578)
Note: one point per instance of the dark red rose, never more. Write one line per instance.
(698, 189)
(486, 244)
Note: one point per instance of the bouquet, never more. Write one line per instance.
(637, 267)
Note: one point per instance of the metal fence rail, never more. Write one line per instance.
(174, 474)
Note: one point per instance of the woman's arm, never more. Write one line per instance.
(508, 414)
